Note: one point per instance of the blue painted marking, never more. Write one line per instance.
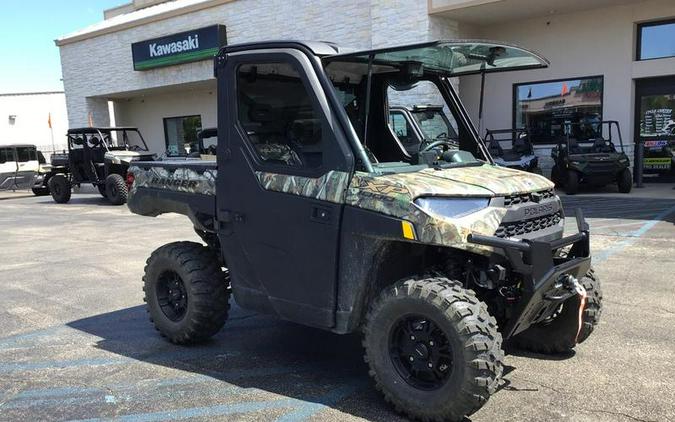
(32, 366)
(196, 412)
(632, 236)
(308, 409)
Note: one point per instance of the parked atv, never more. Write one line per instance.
(519, 155)
(100, 156)
(436, 257)
(587, 154)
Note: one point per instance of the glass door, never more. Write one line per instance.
(655, 126)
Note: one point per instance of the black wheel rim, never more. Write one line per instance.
(172, 296)
(420, 352)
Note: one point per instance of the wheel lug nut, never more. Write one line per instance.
(431, 343)
(412, 338)
(412, 358)
(430, 365)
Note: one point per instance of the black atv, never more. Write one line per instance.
(519, 156)
(587, 154)
(100, 156)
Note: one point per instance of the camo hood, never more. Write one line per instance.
(395, 195)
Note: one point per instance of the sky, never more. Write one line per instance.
(29, 59)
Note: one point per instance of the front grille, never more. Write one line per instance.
(528, 226)
(523, 198)
(601, 167)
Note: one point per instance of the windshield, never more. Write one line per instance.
(110, 139)
(452, 58)
(378, 88)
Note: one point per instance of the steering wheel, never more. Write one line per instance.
(442, 135)
(134, 148)
(436, 144)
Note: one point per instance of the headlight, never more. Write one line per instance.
(451, 207)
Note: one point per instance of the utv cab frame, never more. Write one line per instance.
(587, 154)
(100, 156)
(519, 155)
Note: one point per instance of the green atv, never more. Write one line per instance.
(587, 154)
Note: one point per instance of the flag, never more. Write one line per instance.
(529, 94)
(91, 120)
(565, 90)
(49, 120)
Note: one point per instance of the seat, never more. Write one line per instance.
(495, 148)
(520, 146)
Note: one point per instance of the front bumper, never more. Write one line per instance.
(543, 272)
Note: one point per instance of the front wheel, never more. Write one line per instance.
(60, 188)
(561, 332)
(572, 182)
(186, 292)
(625, 181)
(433, 349)
(116, 189)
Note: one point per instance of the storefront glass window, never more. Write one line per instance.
(656, 40)
(657, 131)
(546, 107)
(181, 134)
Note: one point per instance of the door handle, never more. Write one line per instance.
(320, 214)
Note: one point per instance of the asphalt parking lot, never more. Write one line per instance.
(76, 343)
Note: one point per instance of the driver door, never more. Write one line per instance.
(282, 175)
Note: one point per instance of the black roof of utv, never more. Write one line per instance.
(333, 51)
(86, 130)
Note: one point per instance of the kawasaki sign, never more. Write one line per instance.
(188, 46)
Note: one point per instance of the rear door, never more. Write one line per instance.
(282, 176)
(27, 166)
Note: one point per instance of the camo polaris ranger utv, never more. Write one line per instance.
(314, 212)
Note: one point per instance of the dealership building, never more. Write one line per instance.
(147, 63)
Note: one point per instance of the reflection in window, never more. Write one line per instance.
(276, 111)
(181, 134)
(401, 128)
(545, 108)
(656, 40)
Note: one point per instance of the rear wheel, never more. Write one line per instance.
(559, 333)
(433, 349)
(572, 182)
(625, 181)
(116, 189)
(186, 292)
(60, 188)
